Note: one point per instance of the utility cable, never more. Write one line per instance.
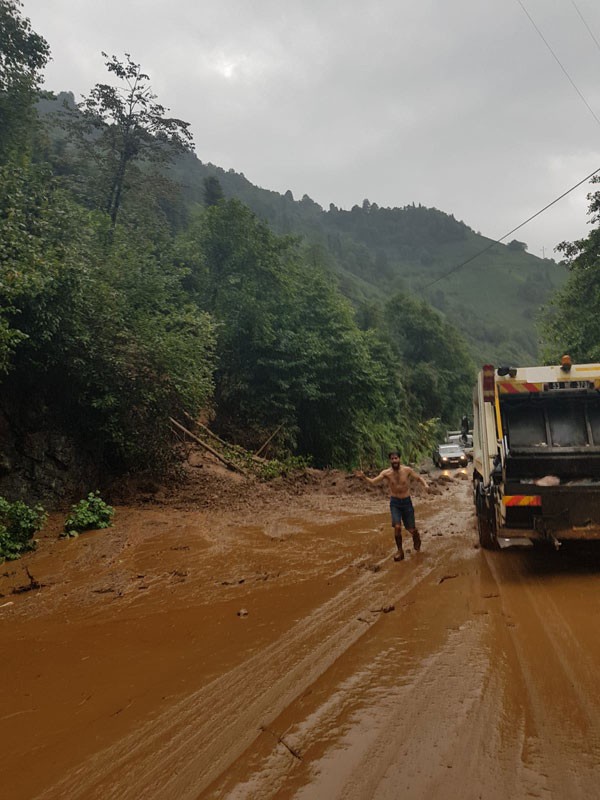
(564, 194)
(558, 61)
(585, 23)
(514, 230)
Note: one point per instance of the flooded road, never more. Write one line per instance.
(186, 655)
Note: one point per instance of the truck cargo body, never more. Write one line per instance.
(536, 442)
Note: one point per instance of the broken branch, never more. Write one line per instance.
(282, 741)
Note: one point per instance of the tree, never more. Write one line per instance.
(213, 191)
(438, 370)
(517, 246)
(23, 54)
(289, 352)
(103, 345)
(571, 322)
(122, 129)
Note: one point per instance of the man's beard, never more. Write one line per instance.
(396, 467)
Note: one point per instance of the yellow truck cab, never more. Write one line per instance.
(536, 452)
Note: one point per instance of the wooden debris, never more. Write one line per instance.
(263, 446)
(282, 741)
(229, 464)
(448, 577)
(29, 587)
(383, 609)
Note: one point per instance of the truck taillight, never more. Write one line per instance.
(489, 383)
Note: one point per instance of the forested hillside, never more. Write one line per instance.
(494, 300)
(139, 285)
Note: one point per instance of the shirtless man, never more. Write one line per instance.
(398, 478)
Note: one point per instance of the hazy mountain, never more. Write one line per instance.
(494, 299)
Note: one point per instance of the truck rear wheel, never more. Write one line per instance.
(486, 520)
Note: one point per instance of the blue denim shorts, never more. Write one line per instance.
(402, 512)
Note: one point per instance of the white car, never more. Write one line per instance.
(446, 456)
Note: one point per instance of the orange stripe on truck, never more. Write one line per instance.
(517, 387)
(522, 500)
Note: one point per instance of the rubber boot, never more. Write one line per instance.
(416, 540)
(400, 554)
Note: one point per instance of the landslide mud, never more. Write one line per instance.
(192, 654)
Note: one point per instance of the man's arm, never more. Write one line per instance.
(416, 475)
(372, 481)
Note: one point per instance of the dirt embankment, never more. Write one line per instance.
(240, 640)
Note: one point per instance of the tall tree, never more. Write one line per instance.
(213, 191)
(571, 322)
(23, 54)
(438, 369)
(122, 129)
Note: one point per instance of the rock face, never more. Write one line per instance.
(42, 465)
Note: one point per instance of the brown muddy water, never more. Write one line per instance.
(183, 655)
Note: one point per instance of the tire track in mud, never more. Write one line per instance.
(402, 749)
(560, 706)
(394, 746)
(505, 706)
(180, 752)
(386, 716)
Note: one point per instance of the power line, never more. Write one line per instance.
(564, 194)
(558, 61)
(585, 23)
(514, 230)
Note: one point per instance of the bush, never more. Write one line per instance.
(92, 513)
(18, 524)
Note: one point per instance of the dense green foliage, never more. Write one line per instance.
(18, 525)
(439, 369)
(571, 322)
(289, 351)
(105, 339)
(23, 54)
(89, 514)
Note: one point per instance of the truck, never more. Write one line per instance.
(536, 453)
(464, 440)
(461, 439)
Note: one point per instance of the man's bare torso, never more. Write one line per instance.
(398, 481)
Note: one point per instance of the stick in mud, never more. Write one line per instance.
(447, 577)
(383, 609)
(282, 741)
(31, 586)
(228, 464)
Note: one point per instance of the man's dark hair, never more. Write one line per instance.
(393, 453)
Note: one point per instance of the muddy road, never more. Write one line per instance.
(187, 654)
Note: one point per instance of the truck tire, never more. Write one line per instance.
(486, 520)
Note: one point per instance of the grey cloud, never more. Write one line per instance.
(456, 104)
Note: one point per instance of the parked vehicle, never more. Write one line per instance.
(446, 456)
(536, 460)
(459, 438)
(463, 440)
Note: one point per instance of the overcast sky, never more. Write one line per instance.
(456, 104)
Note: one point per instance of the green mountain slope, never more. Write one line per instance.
(494, 300)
